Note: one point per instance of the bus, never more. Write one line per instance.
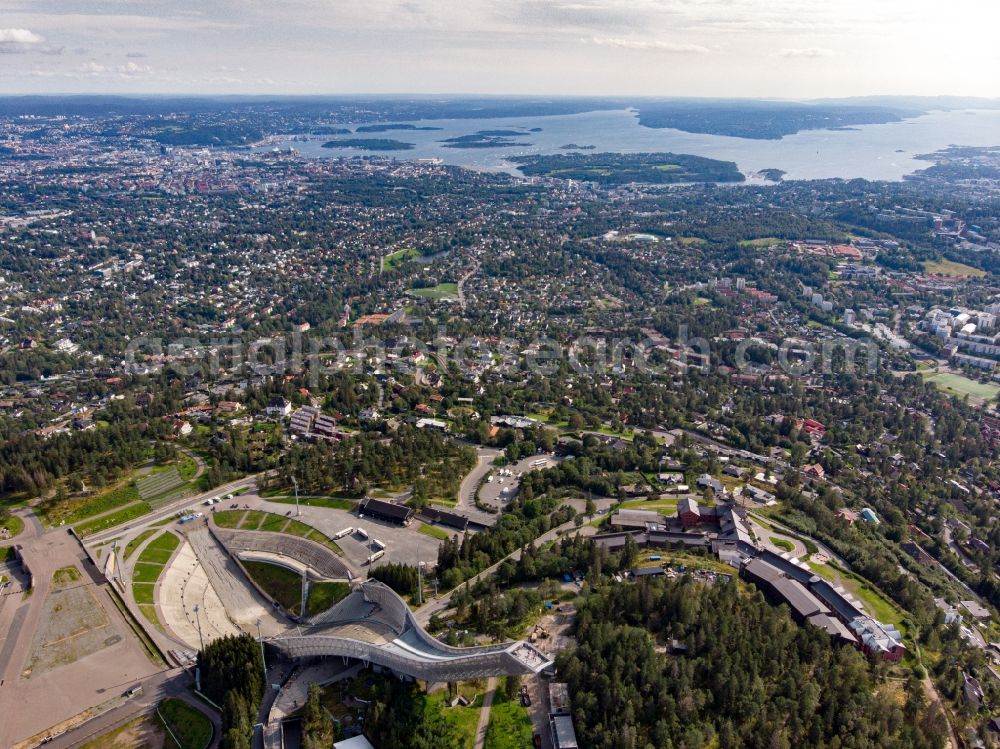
(376, 556)
(378, 544)
(345, 532)
(361, 533)
(539, 463)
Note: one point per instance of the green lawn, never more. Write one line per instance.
(783, 543)
(80, 508)
(298, 528)
(143, 594)
(951, 268)
(228, 518)
(441, 291)
(164, 542)
(148, 569)
(65, 576)
(273, 523)
(323, 595)
(760, 243)
(144, 572)
(393, 259)
(131, 512)
(159, 554)
(191, 728)
(332, 503)
(285, 586)
(465, 719)
(956, 384)
(136, 542)
(434, 532)
(14, 525)
(187, 468)
(510, 725)
(253, 520)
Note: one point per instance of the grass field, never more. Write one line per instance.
(228, 518)
(14, 526)
(136, 542)
(148, 569)
(393, 259)
(441, 291)
(951, 268)
(510, 725)
(131, 512)
(761, 242)
(65, 576)
(253, 520)
(187, 727)
(285, 586)
(465, 719)
(146, 573)
(332, 503)
(783, 543)
(323, 595)
(80, 508)
(434, 532)
(956, 384)
(273, 523)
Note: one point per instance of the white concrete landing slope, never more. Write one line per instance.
(375, 626)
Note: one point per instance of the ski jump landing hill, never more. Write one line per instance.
(374, 625)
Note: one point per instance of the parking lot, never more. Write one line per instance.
(501, 484)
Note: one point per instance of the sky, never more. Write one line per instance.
(752, 48)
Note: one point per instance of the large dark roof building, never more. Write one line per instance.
(387, 511)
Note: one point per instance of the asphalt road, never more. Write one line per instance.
(173, 508)
(172, 683)
(425, 612)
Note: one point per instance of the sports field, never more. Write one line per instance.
(951, 268)
(961, 385)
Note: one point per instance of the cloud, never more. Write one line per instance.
(132, 69)
(19, 36)
(136, 55)
(654, 44)
(14, 41)
(92, 68)
(807, 53)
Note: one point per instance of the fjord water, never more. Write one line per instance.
(877, 152)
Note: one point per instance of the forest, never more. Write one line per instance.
(677, 664)
(232, 675)
(620, 169)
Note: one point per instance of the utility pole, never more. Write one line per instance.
(261, 641)
(305, 593)
(197, 616)
(420, 583)
(298, 512)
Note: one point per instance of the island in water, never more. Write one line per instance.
(575, 147)
(621, 168)
(764, 120)
(387, 127)
(772, 175)
(487, 139)
(370, 144)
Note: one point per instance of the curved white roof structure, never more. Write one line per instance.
(375, 625)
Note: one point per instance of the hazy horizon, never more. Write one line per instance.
(785, 49)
